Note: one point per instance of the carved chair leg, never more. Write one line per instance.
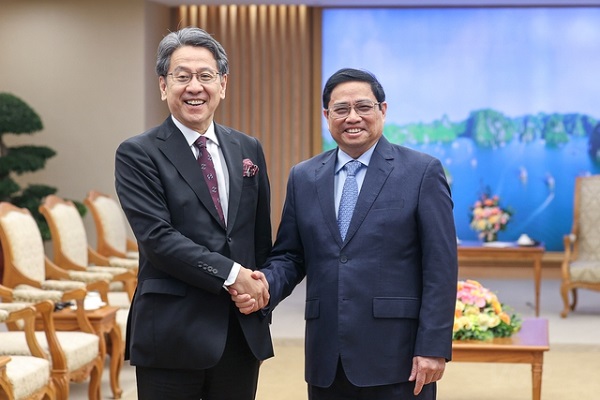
(95, 380)
(564, 292)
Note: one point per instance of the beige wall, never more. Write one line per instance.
(86, 67)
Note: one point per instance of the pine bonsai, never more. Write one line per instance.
(16, 117)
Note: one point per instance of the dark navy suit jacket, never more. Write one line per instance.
(180, 312)
(388, 292)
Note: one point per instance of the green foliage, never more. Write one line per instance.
(24, 159)
(17, 117)
(8, 188)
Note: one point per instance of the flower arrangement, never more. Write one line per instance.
(488, 218)
(479, 315)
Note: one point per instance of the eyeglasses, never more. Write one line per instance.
(339, 111)
(185, 77)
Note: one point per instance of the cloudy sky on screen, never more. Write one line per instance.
(452, 61)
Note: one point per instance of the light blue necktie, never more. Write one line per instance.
(349, 197)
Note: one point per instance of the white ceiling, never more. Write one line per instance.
(376, 3)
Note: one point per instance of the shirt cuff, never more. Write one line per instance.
(233, 274)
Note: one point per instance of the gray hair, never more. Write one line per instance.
(189, 37)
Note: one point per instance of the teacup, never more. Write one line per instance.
(525, 240)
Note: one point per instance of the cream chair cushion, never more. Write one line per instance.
(79, 348)
(129, 263)
(28, 253)
(587, 266)
(71, 232)
(112, 222)
(27, 375)
(26, 243)
(585, 271)
(30, 294)
(74, 244)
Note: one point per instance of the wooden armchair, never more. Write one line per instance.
(6, 391)
(27, 268)
(111, 229)
(70, 245)
(76, 356)
(581, 262)
(24, 376)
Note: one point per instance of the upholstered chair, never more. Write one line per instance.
(111, 230)
(75, 355)
(581, 262)
(25, 374)
(27, 269)
(71, 249)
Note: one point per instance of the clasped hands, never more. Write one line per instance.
(250, 291)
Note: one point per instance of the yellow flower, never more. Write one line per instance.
(505, 318)
(496, 306)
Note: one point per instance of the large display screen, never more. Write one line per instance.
(507, 99)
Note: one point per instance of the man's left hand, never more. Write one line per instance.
(426, 370)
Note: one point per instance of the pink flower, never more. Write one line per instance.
(249, 169)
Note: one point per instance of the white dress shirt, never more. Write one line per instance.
(212, 145)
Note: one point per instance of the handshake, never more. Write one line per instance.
(250, 291)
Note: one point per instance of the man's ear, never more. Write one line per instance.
(162, 85)
(223, 85)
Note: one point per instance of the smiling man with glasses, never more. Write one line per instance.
(370, 226)
(197, 196)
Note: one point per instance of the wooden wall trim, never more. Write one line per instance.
(274, 85)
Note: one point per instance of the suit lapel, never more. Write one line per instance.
(379, 169)
(232, 152)
(324, 180)
(173, 145)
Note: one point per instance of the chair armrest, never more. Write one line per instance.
(57, 355)
(100, 287)
(96, 258)
(132, 245)
(78, 296)
(6, 293)
(27, 315)
(53, 271)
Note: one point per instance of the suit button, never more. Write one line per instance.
(229, 239)
(343, 259)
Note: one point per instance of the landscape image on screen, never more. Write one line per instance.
(507, 98)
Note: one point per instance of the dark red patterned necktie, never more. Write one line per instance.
(208, 171)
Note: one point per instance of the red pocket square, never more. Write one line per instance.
(249, 168)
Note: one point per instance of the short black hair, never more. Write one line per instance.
(352, 75)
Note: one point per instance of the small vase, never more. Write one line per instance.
(490, 236)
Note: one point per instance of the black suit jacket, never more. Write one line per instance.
(180, 312)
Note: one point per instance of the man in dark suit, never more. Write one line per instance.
(381, 286)
(197, 197)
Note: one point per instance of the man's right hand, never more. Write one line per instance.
(250, 291)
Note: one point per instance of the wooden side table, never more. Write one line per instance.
(104, 322)
(525, 347)
(476, 251)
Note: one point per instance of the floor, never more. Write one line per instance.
(580, 327)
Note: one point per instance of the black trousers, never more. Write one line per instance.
(343, 389)
(235, 377)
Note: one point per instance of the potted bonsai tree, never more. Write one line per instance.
(18, 118)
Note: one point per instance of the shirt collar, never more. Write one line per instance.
(191, 135)
(343, 158)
